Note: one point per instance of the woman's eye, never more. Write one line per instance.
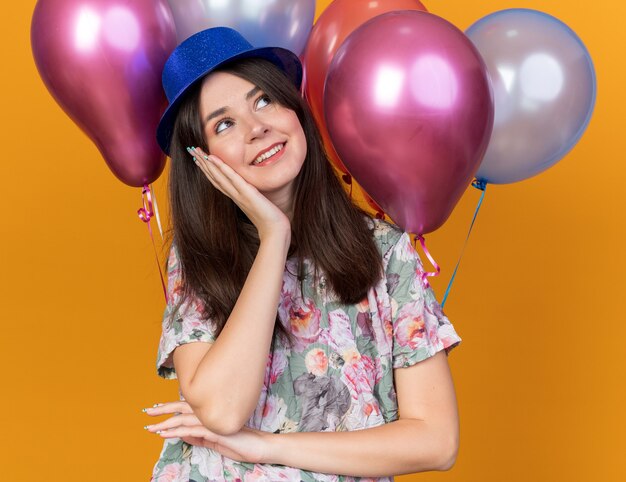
(263, 101)
(221, 125)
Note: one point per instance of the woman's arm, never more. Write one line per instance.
(426, 436)
(222, 381)
(224, 385)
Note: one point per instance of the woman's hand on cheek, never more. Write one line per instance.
(264, 214)
(247, 445)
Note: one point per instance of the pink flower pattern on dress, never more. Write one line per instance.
(171, 473)
(304, 321)
(360, 376)
(277, 362)
(410, 328)
(316, 361)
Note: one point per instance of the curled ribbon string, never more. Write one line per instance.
(482, 186)
(426, 274)
(156, 213)
(145, 214)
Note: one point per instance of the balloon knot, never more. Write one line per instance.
(478, 184)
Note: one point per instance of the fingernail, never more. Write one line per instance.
(144, 410)
(146, 427)
(156, 405)
(159, 431)
(206, 157)
(189, 148)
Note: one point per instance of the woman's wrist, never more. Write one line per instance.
(271, 452)
(277, 238)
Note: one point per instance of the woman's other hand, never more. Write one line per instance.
(247, 445)
(264, 214)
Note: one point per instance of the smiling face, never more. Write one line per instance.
(258, 138)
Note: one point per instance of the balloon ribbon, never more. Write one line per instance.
(145, 214)
(426, 274)
(481, 185)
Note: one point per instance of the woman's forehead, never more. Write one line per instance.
(223, 89)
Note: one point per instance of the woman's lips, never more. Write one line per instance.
(272, 159)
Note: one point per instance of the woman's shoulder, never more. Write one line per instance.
(385, 234)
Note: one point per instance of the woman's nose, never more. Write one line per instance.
(258, 128)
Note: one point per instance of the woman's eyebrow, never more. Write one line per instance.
(252, 92)
(222, 110)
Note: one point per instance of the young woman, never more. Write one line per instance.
(305, 345)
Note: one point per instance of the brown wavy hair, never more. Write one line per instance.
(215, 241)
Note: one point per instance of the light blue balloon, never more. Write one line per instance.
(264, 23)
(544, 88)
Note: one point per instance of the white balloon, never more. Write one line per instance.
(544, 91)
(264, 23)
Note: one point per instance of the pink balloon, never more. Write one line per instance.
(409, 109)
(102, 61)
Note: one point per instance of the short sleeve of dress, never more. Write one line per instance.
(184, 325)
(420, 328)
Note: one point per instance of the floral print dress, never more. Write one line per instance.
(336, 376)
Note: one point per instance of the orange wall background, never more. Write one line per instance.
(539, 300)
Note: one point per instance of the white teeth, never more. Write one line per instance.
(269, 153)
